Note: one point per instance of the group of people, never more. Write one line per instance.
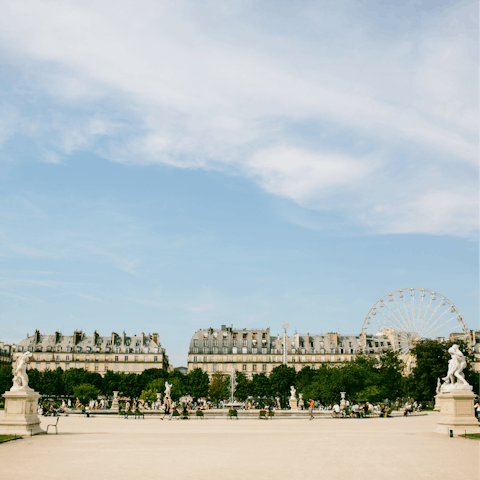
(411, 407)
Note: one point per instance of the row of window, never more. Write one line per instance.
(126, 358)
(235, 350)
(254, 342)
(302, 359)
(97, 368)
(39, 348)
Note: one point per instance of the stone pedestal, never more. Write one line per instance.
(456, 411)
(436, 407)
(301, 403)
(115, 401)
(293, 403)
(342, 401)
(21, 416)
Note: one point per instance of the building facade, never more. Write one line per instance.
(5, 354)
(117, 353)
(256, 350)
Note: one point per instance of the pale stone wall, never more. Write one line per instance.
(117, 353)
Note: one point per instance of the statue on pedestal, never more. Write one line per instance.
(21, 403)
(456, 365)
(456, 398)
(168, 387)
(20, 377)
(293, 392)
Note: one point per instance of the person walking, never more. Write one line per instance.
(311, 404)
(167, 409)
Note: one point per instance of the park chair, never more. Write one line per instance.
(232, 414)
(54, 425)
(262, 414)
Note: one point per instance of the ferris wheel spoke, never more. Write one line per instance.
(427, 328)
(444, 323)
(402, 333)
(414, 313)
(420, 308)
(399, 309)
(394, 314)
(391, 320)
(432, 316)
(427, 309)
(409, 321)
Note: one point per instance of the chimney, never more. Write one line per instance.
(155, 338)
(77, 336)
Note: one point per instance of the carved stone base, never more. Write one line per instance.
(21, 413)
(293, 404)
(457, 412)
(436, 407)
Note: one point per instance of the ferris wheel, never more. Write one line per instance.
(411, 314)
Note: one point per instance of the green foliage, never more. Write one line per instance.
(216, 390)
(86, 392)
(198, 383)
(154, 387)
(281, 379)
(6, 378)
(242, 390)
(260, 385)
(431, 363)
(77, 376)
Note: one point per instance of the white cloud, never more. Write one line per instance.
(299, 111)
(300, 175)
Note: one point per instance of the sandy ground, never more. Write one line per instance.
(347, 449)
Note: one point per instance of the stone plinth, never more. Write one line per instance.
(293, 404)
(436, 408)
(456, 411)
(21, 416)
(115, 401)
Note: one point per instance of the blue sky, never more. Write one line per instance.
(169, 166)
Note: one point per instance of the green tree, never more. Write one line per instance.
(390, 376)
(77, 376)
(281, 379)
(216, 390)
(6, 378)
(35, 379)
(178, 381)
(242, 390)
(111, 382)
(52, 382)
(151, 374)
(198, 383)
(260, 386)
(130, 385)
(431, 362)
(86, 392)
(151, 390)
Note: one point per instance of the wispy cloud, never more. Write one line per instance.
(202, 308)
(325, 113)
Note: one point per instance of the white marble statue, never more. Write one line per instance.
(168, 387)
(20, 377)
(293, 392)
(456, 365)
